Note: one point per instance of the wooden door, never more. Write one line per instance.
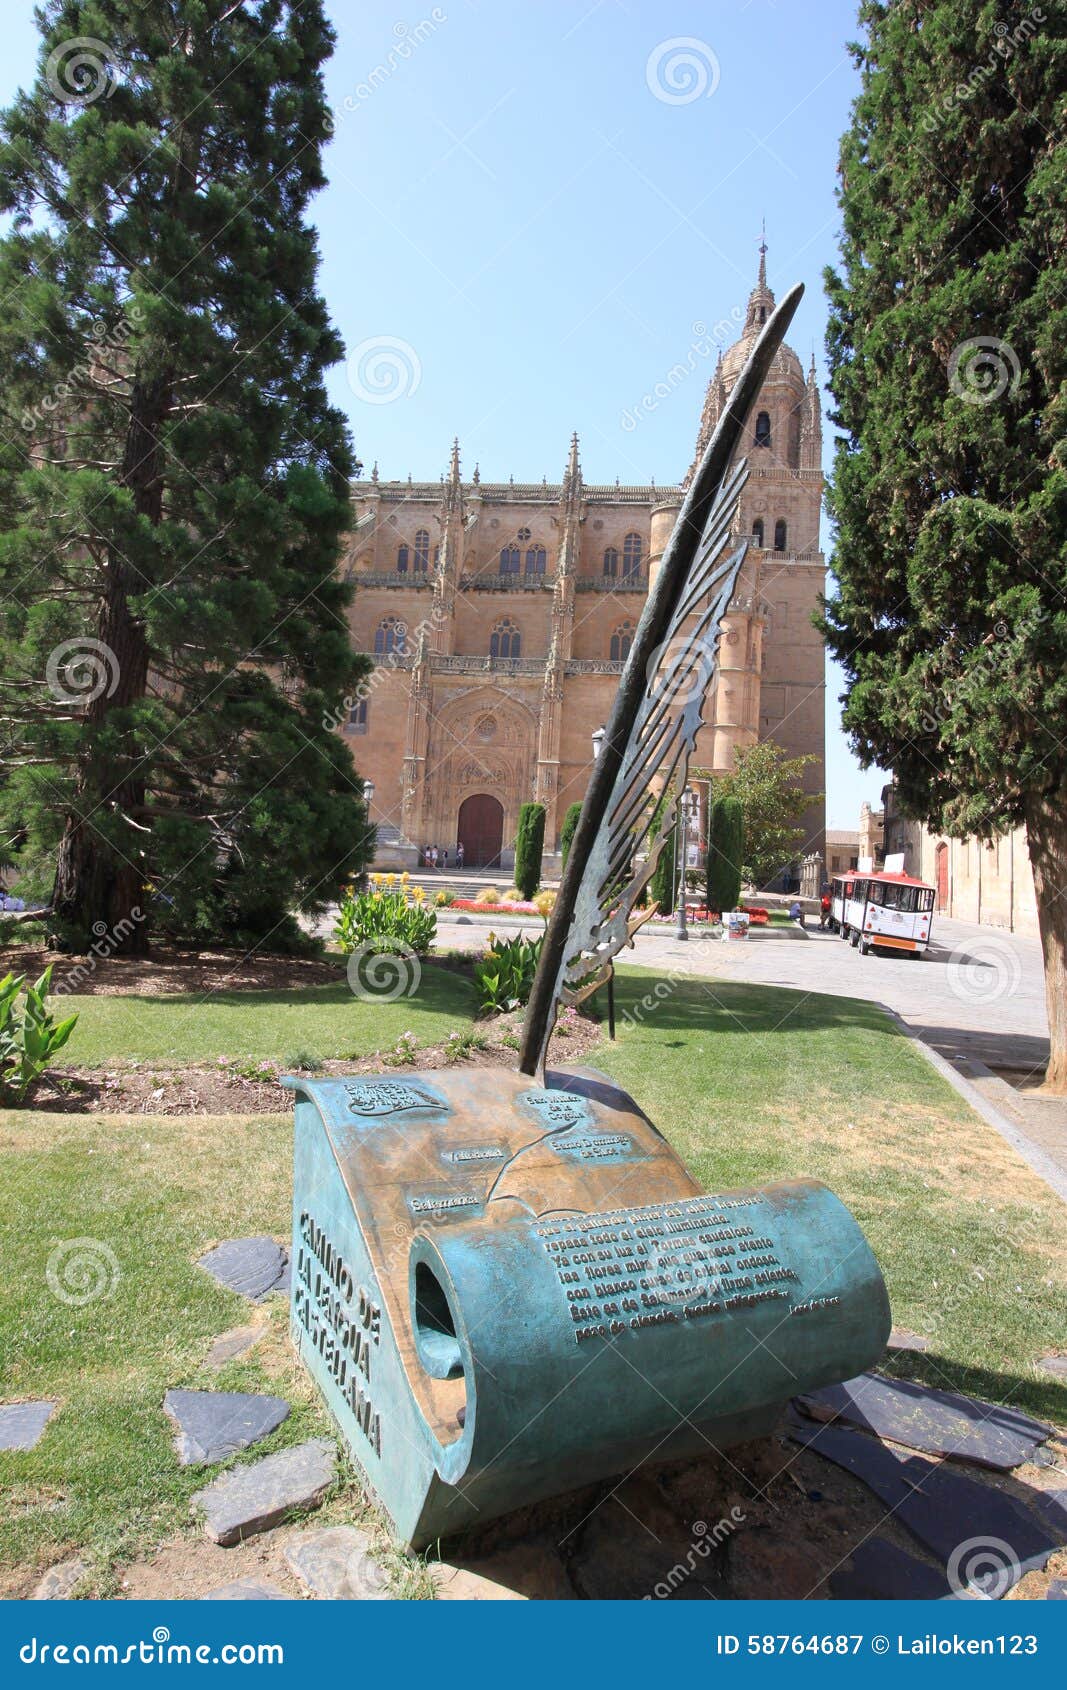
(480, 830)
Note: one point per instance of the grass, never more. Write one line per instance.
(752, 1083)
(322, 1022)
(749, 1083)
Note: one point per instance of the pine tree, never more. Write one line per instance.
(948, 350)
(529, 848)
(173, 480)
(726, 843)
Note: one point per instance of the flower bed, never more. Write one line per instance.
(517, 908)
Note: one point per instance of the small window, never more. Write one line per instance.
(510, 560)
(779, 535)
(621, 641)
(611, 562)
(403, 556)
(763, 429)
(422, 552)
(523, 535)
(632, 554)
(357, 718)
(757, 532)
(390, 637)
(535, 560)
(505, 640)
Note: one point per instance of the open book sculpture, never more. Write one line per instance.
(507, 1284)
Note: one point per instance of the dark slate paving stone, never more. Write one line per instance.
(937, 1422)
(247, 1590)
(1051, 1505)
(252, 1499)
(214, 1424)
(1054, 1364)
(950, 1514)
(901, 1339)
(1057, 1591)
(336, 1564)
(22, 1423)
(252, 1266)
(882, 1572)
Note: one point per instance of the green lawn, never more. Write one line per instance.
(748, 1083)
(322, 1021)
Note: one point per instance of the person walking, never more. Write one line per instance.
(444, 859)
(459, 854)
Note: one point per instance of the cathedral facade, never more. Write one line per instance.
(500, 615)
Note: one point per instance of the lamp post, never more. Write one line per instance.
(688, 804)
(599, 736)
(368, 794)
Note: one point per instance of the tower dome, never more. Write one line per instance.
(785, 365)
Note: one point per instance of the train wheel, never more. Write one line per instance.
(854, 938)
(865, 947)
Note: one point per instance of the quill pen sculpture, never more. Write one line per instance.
(653, 725)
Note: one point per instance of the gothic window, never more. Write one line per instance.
(535, 560)
(402, 556)
(611, 562)
(510, 559)
(523, 535)
(357, 718)
(390, 636)
(505, 640)
(763, 429)
(779, 535)
(757, 531)
(422, 552)
(621, 641)
(631, 556)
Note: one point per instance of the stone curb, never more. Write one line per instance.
(1035, 1158)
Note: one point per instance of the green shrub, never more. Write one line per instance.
(568, 830)
(30, 1036)
(726, 846)
(386, 921)
(504, 976)
(661, 888)
(529, 848)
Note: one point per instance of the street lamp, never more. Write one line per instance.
(369, 838)
(690, 803)
(599, 736)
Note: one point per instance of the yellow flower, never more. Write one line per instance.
(418, 893)
(404, 878)
(389, 879)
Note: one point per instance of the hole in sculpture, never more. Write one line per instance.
(435, 1330)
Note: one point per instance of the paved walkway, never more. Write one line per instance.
(977, 997)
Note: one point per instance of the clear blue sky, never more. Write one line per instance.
(511, 201)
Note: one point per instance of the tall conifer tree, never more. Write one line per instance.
(948, 352)
(173, 479)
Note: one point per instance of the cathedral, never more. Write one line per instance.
(500, 614)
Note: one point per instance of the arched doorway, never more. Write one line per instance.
(941, 872)
(480, 830)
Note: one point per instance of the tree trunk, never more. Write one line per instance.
(1046, 829)
(98, 889)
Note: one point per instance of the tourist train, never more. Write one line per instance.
(885, 910)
